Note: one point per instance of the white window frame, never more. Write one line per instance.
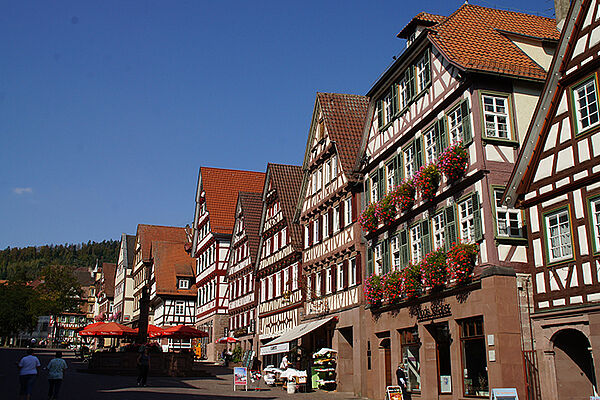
(455, 125)
(421, 69)
(334, 167)
(374, 183)
(496, 116)
(508, 220)
(316, 230)
(429, 143)
(309, 288)
(347, 211)
(340, 276)
(294, 276)
(378, 259)
(318, 282)
(395, 253)
(325, 226)
(388, 104)
(306, 234)
(328, 281)
(283, 237)
(410, 164)
(263, 290)
(179, 307)
(466, 220)
(327, 171)
(286, 279)
(352, 273)
(320, 178)
(438, 223)
(403, 97)
(390, 177)
(595, 209)
(278, 284)
(585, 96)
(416, 247)
(558, 235)
(336, 218)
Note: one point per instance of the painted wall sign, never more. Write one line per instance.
(436, 309)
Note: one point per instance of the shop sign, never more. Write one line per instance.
(436, 309)
(393, 393)
(504, 394)
(240, 377)
(275, 349)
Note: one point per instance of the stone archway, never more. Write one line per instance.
(574, 366)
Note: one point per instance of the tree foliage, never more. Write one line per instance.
(60, 292)
(20, 308)
(26, 264)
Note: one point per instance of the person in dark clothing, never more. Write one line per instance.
(402, 382)
(143, 363)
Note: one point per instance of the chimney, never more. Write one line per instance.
(561, 9)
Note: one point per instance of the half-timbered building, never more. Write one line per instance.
(278, 268)
(332, 251)
(469, 80)
(240, 270)
(105, 291)
(557, 181)
(123, 300)
(172, 289)
(216, 198)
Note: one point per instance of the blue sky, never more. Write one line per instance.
(108, 108)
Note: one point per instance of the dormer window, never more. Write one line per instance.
(183, 283)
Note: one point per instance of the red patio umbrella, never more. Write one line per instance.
(153, 330)
(90, 326)
(227, 339)
(181, 332)
(108, 329)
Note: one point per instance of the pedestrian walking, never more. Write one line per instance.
(28, 370)
(143, 363)
(56, 368)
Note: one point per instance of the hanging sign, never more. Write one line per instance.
(393, 393)
(240, 377)
(504, 394)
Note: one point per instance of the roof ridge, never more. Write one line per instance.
(508, 11)
(231, 169)
(160, 226)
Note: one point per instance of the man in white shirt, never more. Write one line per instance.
(28, 370)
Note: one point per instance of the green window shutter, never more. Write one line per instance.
(441, 141)
(380, 113)
(381, 182)
(466, 122)
(394, 99)
(425, 237)
(369, 261)
(410, 81)
(450, 232)
(418, 154)
(477, 217)
(386, 256)
(368, 190)
(404, 255)
(397, 170)
(401, 164)
(428, 69)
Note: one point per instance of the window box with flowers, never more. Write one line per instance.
(412, 280)
(385, 211)
(434, 270)
(404, 195)
(368, 219)
(453, 162)
(427, 181)
(461, 261)
(392, 286)
(374, 290)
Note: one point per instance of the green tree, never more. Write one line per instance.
(20, 307)
(60, 291)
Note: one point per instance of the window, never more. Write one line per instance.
(306, 235)
(334, 167)
(328, 281)
(368, 354)
(395, 247)
(318, 282)
(336, 219)
(495, 113)
(473, 349)
(283, 236)
(558, 231)
(340, 276)
(455, 126)
(309, 294)
(410, 165)
(316, 230)
(378, 258)
(319, 178)
(286, 279)
(374, 185)
(422, 72)
(179, 307)
(508, 220)
(416, 249)
(327, 171)
(325, 226)
(595, 217)
(314, 182)
(410, 344)
(184, 284)
(389, 107)
(391, 170)
(278, 284)
(352, 274)
(466, 220)
(438, 225)
(429, 139)
(295, 277)
(348, 211)
(403, 93)
(586, 105)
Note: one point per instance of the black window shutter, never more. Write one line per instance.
(440, 140)
(330, 221)
(380, 113)
(450, 234)
(394, 101)
(346, 269)
(310, 233)
(466, 122)
(354, 206)
(333, 278)
(381, 182)
(358, 261)
(369, 261)
(404, 254)
(477, 217)
(428, 68)
(341, 216)
(320, 228)
(368, 190)
(386, 256)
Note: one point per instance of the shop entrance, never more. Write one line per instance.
(574, 365)
(385, 346)
(441, 335)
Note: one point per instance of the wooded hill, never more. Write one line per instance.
(25, 264)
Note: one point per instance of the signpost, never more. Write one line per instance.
(240, 377)
(393, 393)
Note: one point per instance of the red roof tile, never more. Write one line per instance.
(474, 37)
(252, 205)
(222, 187)
(423, 18)
(287, 180)
(344, 116)
(170, 262)
(146, 234)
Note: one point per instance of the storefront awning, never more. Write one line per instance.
(292, 334)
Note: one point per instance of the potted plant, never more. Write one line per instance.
(392, 286)
(453, 162)
(385, 211)
(434, 269)
(411, 280)
(427, 181)
(374, 290)
(461, 261)
(368, 218)
(404, 195)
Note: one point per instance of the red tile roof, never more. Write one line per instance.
(424, 19)
(222, 187)
(344, 116)
(287, 180)
(170, 262)
(474, 37)
(146, 234)
(108, 287)
(252, 205)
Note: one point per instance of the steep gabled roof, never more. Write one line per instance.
(533, 145)
(425, 19)
(108, 272)
(146, 234)
(252, 205)
(221, 187)
(344, 116)
(83, 276)
(130, 248)
(473, 38)
(172, 261)
(287, 180)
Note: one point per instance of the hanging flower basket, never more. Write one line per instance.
(453, 162)
(404, 195)
(374, 290)
(386, 210)
(411, 280)
(434, 270)
(392, 286)
(368, 219)
(461, 261)
(427, 181)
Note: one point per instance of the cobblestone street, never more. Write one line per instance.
(80, 385)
